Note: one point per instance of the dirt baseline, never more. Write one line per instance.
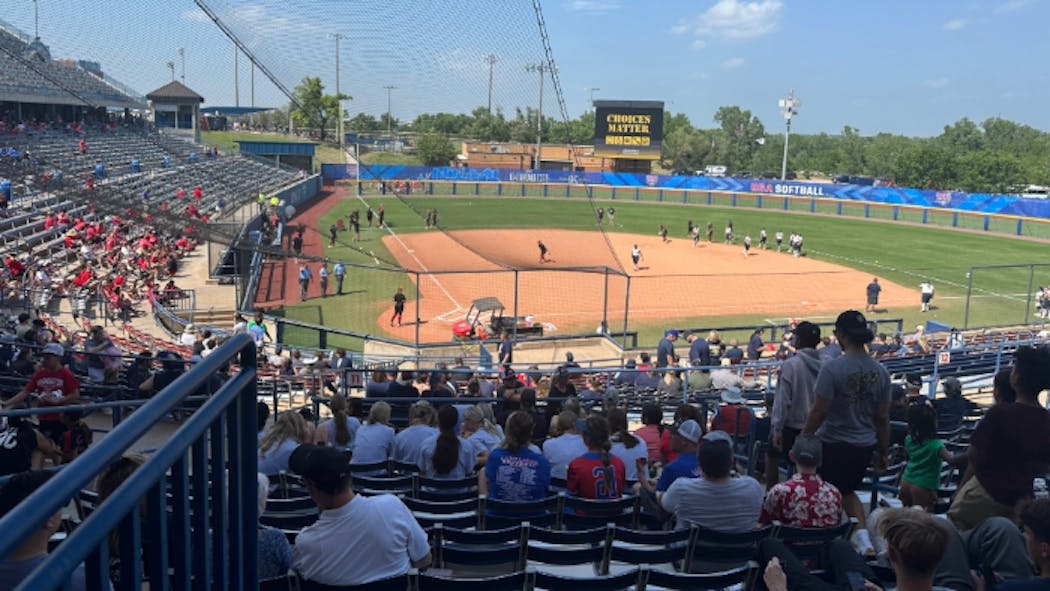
(674, 280)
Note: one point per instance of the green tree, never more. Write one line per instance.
(851, 152)
(435, 149)
(989, 172)
(387, 121)
(363, 122)
(740, 131)
(962, 136)
(315, 110)
(489, 127)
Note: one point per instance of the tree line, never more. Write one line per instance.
(994, 156)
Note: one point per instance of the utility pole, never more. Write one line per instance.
(253, 84)
(182, 58)
(491, 61)
(171, 66)
(541, 68)
(389, 117)
(591, 92)
(789, 107)
(338, 96)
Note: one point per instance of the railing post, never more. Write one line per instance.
(660, 195)
(637, 194)
(759, 202)
(545, 189)
(925, 215)
(454, 187)
(477, 188)
(867, 210)
(1019, 229)
(838, 208)
(709, 197)
(897, 213)
(987, 219)
(734, 200)
(955, 219)
(499, 189)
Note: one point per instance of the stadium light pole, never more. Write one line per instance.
(389, 119)
(789, 107)
(182, 58)
(541, 68)
(171, 66)
(338, 97)
(491, 61)
(590, 93)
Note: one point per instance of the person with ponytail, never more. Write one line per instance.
(340, 430)
(629, 448)
(596, 474)
(445, 456)
(1009, 448)
(515, 471)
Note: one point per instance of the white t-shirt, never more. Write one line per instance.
(562, 450)
(368, 539)
(630, 456)
(731, 506)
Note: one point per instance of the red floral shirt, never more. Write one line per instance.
(803, 501)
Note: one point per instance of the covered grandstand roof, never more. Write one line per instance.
(234, 111)
(174, 91)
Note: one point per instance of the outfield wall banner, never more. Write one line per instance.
(628, 129)
(978, 203)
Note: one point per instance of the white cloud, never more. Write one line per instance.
(594, 5)
(195, 15)
(732, 63)
(1011, 6)
(955, 24)
(732, 20)
(937, 82)
(457, 60)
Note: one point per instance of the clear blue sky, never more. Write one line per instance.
(901, 66)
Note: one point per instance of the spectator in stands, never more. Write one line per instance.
(171, 368)
(439, 386)
(651, 430)
(479, 428)
(139, 371)
(53, 386)
(698, 380)
(287, 433)
(793, 397)
(188, 336)
(670, 384)
(851, 415)
(716, 500)
(1002, 390)
(733, 415)
(377, 385)
(953, 408)
(1009, 448)
(338, 431)
(445, 455)
(922, 475)
(33, 551)
(24, 325)
(628, 374)
(540, 422)
(409, 442)
(23, 448)
(647, 381)
(913, 385)
(561, 387)
(374, 441)
(755, 345)
(357, 539)
(596, 474)
(107, 484)
(100, 359)
(831, 349)
(262, 417)
(626, 446)
(566, 445)
(275, 553)
(683, 412)
(685, 436)
(734, 353)
(1035, 520)
(699, 350)
(665, 355)
(403, 387)
(515, 471)
(804, 500)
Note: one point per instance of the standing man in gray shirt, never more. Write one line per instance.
(851, 415)
(793, 398)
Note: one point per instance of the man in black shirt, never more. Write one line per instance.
(22, 447)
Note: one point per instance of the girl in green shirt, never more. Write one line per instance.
(922, 475)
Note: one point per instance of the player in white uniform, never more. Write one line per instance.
(636, 255)
(927, 294)
(779, 238)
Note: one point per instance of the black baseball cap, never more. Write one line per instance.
(853, 324)
(914, 380)
(327, 468)
(807, 334)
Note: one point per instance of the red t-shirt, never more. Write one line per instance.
(197, 193)
(44, 382)
(726, 420)
(586, 477)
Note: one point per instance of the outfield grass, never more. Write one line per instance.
(900, 253)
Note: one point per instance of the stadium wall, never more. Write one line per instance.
(950, 200)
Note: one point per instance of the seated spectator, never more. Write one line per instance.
(338, 431)
(540, 424)
(629, 448)
(53, 385)
(1035, 521)
(515, 471)
(439, 387)
(445, 455)
(651, 430)
(479, 429)
(374, 441)
(561, 387)
(716, 500)
(409, 442)
(1002, 390)
(275, 553)
(262, 416)
(627, 375)
(684, 412)
(33, 550)
(138, 372)
(734, 353)
(698, 380)
(804, 500)
(107, 484)
(356, 540)
(733, 416)
(1009, 448)
(171, 368)
(670, 384)
(596, 474)
(648, 380)
(287, 433)
(685, 437)
(23, 448)
(953, 408)
(402, 388)
(566, 445)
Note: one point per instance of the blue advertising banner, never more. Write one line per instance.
(969, 202)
